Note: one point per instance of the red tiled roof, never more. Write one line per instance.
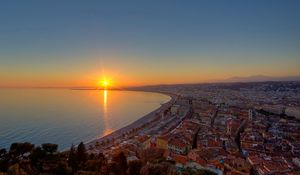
(179, 158)
(214, 143)
(143, 138)
(178, 143)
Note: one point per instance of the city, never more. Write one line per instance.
(150, 87)
(238, 128)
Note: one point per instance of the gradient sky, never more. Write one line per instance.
(75, 43)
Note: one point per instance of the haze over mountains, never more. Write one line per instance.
(260, 78)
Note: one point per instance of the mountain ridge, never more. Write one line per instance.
(261, 78)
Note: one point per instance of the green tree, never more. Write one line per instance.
(36, 156)
(62, 169)
(134, 167)
(20, 148)
(72, 159)
(16, 170)
(112, 168)
(121, 161)
(2, 152)
(81, 154)
(17, 150)
(157, 169)
(102, 158)
(50, 147)
(4, 160)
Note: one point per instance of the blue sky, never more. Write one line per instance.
(147, 41)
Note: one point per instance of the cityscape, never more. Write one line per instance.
(196, 87)
(236, 128)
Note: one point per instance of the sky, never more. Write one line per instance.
(78, 43)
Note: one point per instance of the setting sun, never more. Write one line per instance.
(104, 83)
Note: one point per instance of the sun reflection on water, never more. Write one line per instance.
(105, 100)
(107, 129)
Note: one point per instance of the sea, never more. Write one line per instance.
(66, 116)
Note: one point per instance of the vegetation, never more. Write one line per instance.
(197, 172)
(26, 159)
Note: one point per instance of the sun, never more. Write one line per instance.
(104, 83)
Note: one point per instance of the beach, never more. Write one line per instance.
(67, 117)
(136, 124)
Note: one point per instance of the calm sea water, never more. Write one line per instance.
(65, 116)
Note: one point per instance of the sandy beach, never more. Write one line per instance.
(145, 119)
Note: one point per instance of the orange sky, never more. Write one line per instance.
(146, 43)
(130, 74)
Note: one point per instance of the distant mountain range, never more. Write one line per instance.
(260, 78)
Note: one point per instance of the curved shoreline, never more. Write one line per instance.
(137, 123)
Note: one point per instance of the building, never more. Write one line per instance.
(162, 142)
(175, 109)
(178, 146)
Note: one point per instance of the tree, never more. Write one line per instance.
(189, 171)
(151, 155)
(4, 158)
(157, 169)
(2, 153)
(16, 170)
(72, 160)
(112, 168)
(93, 165)
(36, 156)
(62, 169)
(134, 167)
(26, 147)
(96, 162)
(81, 154)
(17, 150)
(121, 161)
(20, 148)
(102, 157)
(49, 147)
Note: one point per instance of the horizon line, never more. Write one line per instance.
(141, 86)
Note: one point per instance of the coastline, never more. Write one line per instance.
(139, 122)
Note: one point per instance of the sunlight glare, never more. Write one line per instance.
(104, 83)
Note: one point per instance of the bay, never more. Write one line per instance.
(66, 117)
